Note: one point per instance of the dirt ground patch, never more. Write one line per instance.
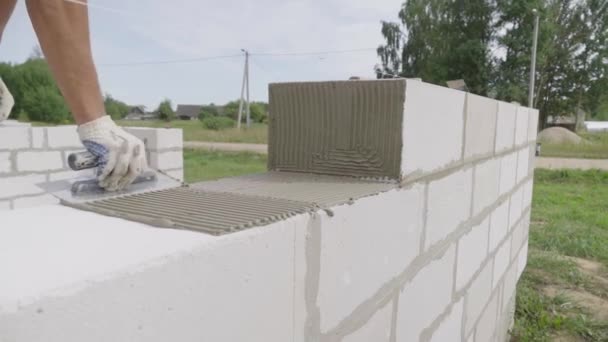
(558, 135)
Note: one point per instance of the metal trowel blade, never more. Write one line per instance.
(82, 189)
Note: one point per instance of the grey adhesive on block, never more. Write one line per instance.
(185, 208)
(348, 128)
(319, 190)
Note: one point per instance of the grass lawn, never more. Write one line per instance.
(194, 131)
(207, 165)
(563, 294)
(596, 147)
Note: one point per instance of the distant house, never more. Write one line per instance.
(567, 122)
(140, 113)
(188, 112)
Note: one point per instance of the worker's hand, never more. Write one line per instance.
(6, 101)
(122, 156)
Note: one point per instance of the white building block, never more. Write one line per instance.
(419, 307)
(517, 239)
(523, 157)
(505, 126)
(348, 276)
(487, 181)
(521, 126)
(5, 205)
(38, 137)
(449, 203)
(63, 136)
(5, 162)
(64, 175)
(508, 172)
(533, 124)
(166, 160)
(20, 185)
(158, 138)
(499, 224)
(472, 252)
(39, 161)
(487, 324)
(528, 189)
(522, 260)
(378, 328)
(423, 111)
(515, 208)
(501, 262)
(28, 202)
(12, 138)
(451, 327)
(477, 296)
(177, 174)
(480, 126)
(510, 282)
(151, 285)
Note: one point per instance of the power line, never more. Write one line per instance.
(315, 53)
(169, 61)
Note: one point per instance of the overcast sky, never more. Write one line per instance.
(153, 30)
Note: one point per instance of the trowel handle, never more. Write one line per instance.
(82, 160)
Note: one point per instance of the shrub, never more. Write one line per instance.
(217, 123)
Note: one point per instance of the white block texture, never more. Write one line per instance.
(515, 208)
(480, 126)
(28, 202)
(521, 126)
(499, 224)
(523, 157)
(528, 190)
(63, 136)
(517, 239)
(12, 138)
(348, 275)
(472, 251)
(436, 125)
(5, 162)
(487, 324)
(5, 205)
(508, 173)
(38, 137)
(158, 138)
(522, 260)
(166, 160)
(533, 124)
(39, 161)
(378, 328)
(487, 182)
(501, 262)
(449, 203)
(477, 296)
(451, 327)
(177, 174)
(419, 307)
(505, 126)
(20, 185)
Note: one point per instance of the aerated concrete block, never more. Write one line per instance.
(38, 137)
(63, 136)
(522, 259)
(477, 296)
(501, 262)
(521, 126)
(12, 138)
(428, 304)
(39, 161)
(472, 251)
(499, 225)
(365, 128)
(451, 327)
(509, 285)
(348, 276)
(528, 190)
(523, 157)
(508, 173)
(480, 126)
(5, 162)
(517, 239)
(20, 185)
(166, 160)
(505, 126)
(487, 324)
(515, 207)
(378, 328)
(448, 205)
(533, 124)
(157, 139)
(5, 205)
(28, 202)
(487, 182)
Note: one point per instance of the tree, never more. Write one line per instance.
(258, 111)
(115, 108)
(45, 104)
(165, 110)
(208, 111)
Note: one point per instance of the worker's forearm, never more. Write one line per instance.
(6, 9)
(63, 31)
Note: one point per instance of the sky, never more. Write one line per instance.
(136, 31)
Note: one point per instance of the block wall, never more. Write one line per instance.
(33, 155)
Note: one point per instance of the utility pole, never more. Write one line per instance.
(533, 61)
(245, 81)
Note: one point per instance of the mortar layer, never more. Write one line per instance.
(319, 190)
(348, 128)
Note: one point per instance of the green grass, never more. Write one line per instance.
(194, 131)
(207, 165)
(569, 218)
(595, 147)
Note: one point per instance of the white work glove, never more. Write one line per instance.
(6, 102)
(122, 156)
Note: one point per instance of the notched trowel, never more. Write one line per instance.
(85, 189)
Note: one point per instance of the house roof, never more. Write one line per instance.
(188, 110)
